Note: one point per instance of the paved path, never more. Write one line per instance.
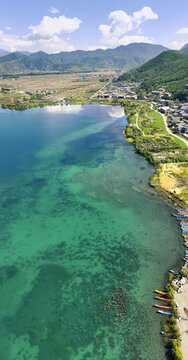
(170, 132)
(138, 125)
(95, 95)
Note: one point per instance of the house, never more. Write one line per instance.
(166, 96)
(164, 109)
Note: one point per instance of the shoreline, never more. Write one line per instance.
(178, 345)
(179, 298)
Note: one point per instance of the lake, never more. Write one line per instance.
(84, 239)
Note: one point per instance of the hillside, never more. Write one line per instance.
(123, 57)
(168, 70)
(184, 49)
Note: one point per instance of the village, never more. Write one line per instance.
(176, 112)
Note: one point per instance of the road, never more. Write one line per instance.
(95, 95)
(138, 125)
(170, 132)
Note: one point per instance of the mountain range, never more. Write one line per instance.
(123, 57)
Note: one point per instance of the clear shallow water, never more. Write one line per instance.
(84, 240)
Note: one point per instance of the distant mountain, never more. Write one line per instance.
(25, 52)
(123, 57)
(168, 70)
(3, 52)
(184, 49)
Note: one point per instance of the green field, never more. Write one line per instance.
(152, 123)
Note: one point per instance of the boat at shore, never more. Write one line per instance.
(165, 312)
(173, 272)
(163, 306)
(184, 269)
(183, 222)
(184, 216)
(163, 299)
(160, 292)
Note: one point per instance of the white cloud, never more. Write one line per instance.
(146, 13)
(47, 36)
(49, 27)
(121, 23)
(55, 44)
(125, 40)
(128, 39)
(8, 28)
(53, 10)
(177, 45)
(13, 42)
(182, 31)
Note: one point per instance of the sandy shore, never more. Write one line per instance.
(182, 302)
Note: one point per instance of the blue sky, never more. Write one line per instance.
(55, 25)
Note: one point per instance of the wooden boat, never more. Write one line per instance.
(164, 312)
(160, 292)
(182, 210)
(184, 216)
(174, 272)
(186, 270)
(163, 299)
(163, 306)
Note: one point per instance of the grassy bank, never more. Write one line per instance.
(146, 130)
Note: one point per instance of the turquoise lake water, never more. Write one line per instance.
(84, 240)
